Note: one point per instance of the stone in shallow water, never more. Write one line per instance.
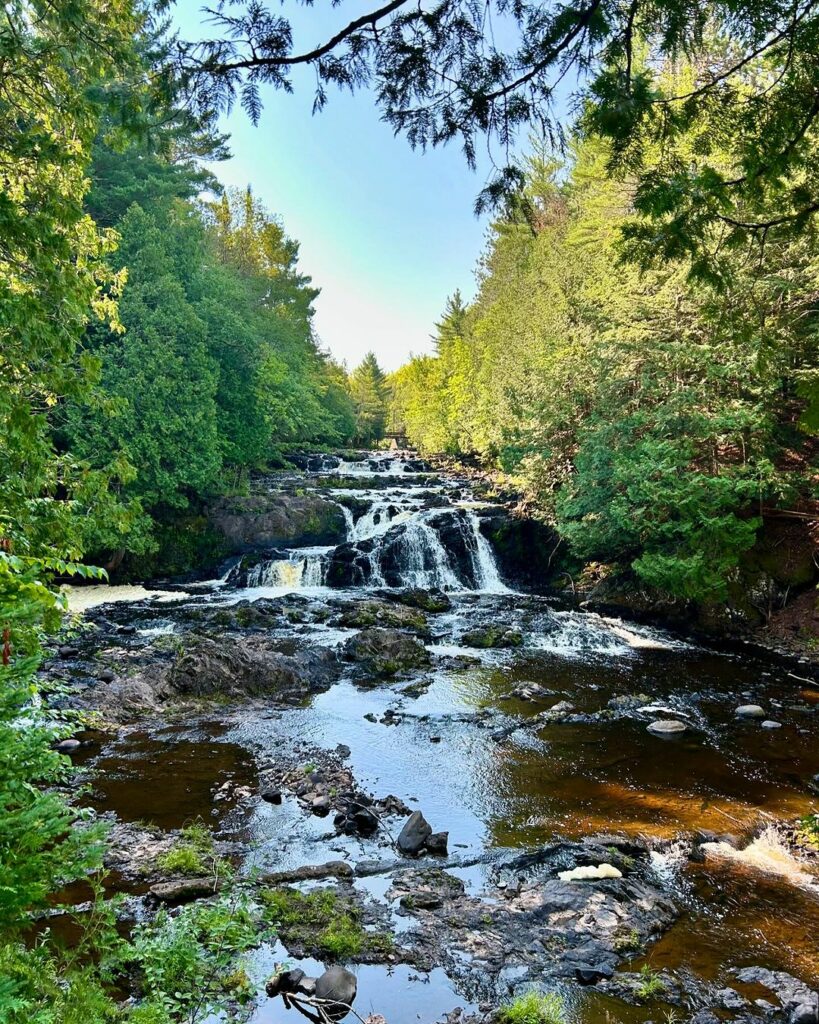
(590, 873)
(770, 724)
(751, 711)
(664, 726)
(414, 834)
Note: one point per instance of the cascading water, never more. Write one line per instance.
(487, 576)
(301, 570)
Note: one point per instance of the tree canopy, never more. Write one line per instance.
(727, 148)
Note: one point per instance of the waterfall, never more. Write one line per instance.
(349, 522)
(425, 562)
(297, 572)
(487, 577)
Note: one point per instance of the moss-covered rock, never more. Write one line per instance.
(492, 636)
(385, 652)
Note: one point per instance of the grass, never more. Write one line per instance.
(193, 853)
(651, 984)
(809, 829)
(325, 922)
(629, 942)
(534, 1007)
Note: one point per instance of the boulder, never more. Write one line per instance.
(381, 613)
(431, 601)
(276, 519)
(385, 652)
(437, 844)
(414, 834)
(750, 711)
(339, 987)
(67, 746)
(666, 727)
(492, 636)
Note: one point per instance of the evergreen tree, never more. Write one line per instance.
(369, 392)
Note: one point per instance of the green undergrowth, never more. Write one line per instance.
(325, 922)
(650, 984)
(809, 829)
(194, 853)
(534, 1007)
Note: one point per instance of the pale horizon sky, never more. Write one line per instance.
(386, 232)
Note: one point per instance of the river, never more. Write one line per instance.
(509, 748)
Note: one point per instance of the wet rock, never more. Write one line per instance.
(437, 844)
(414, 834)
(667, 727)
(107, 675)
(271, 795)
(770, 724)
(309, 872)
(799, 1002)
(183, 890)
(381, 613)
(485, 637)
(590, 974)
(320, 805)
(432, 601)
(68, 651)
(67, 746)
(530, 692)
(730, 999)
(276, 519)
(339, 987)
(386, 652)
(750, 711)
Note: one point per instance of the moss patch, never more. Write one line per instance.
(323, 923)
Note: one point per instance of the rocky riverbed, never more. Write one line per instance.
(379, 721)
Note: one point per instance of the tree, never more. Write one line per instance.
(442, 74)
(369, 392)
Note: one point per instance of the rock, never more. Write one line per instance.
(275, 519)
(431, 601)
(381, 613)
(422, 900)
(339, 986)
(343, 750)
(590, 873)
(183, 890)
(107, 675)
(794, 995)
(68, 651)
(310, 872)
(770, 724)
(385, 652)
(667, 727)
(321, 805)
(485, 637)
(272, 796)
(67, 746)
(730, 999)
(750, 711)
(562, 706)
(414, 834)
(437, 844)
(588, 974)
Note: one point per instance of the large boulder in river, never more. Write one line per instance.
(431, 601)
(226, 667)
(385, 652)
(414, 834)
(380, 613)
(492, 636)
(277, 519)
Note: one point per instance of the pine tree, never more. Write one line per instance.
(370, 394)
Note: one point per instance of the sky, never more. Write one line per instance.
(386, 233)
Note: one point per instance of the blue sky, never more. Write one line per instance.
(387, 233)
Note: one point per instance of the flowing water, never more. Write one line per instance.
(470, 750)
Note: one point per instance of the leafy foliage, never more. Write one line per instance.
(747, 108)
(651, 416)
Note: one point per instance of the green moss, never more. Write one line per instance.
(534, 1008)
(809, 829)
(325, 923)
(629, 942)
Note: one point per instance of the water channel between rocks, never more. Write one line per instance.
(464, 738)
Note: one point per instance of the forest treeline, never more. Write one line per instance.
(156, 346)
(652, 414)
